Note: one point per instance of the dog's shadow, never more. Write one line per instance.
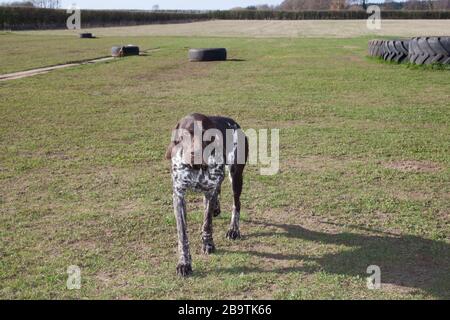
(407, 261)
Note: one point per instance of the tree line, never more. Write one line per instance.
(303, 5)
(33, 17)
(292, 5)
(49, 4)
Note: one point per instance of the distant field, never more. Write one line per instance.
(266, 28)
(364, 168)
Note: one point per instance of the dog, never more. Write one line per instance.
(195, 169)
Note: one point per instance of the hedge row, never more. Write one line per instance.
(33, 18)
(325, 15)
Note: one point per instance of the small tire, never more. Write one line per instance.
(429, 50)
(130, 50)
(86, 36)
(211, 54)
(396, 50)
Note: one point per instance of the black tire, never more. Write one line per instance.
(86, 36)
(376, 48)
(213, 54)
(130, 50)
(428, 50)
(396, 50)
(125, 51)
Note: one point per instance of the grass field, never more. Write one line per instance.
(364, 177)
(277, 28)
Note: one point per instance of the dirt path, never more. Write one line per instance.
(34, 72)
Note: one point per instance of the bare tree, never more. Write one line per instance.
(17, 4)
(338, 4)
(361, 3)
(264, 7)
(321, 4)
(50, 4)
(389, 5)
(297, 5)
(442, 5)
(301, 5)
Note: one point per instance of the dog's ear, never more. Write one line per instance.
(175, 139)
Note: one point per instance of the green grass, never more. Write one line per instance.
(83, 180)
(407, 64)
(24, 52)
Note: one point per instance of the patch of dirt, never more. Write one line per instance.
(104, 277)
(178, 71)
(280, 124)
(412, 195)
(389, 287)
(34, 72)
(413, 166)
(85, 245)
(316, 163)
(295, 216)
(355, 59)
(351, 47)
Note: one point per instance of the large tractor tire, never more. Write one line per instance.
(428, 50)
(396, 50)
(376, 48)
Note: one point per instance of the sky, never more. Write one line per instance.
(166, 4)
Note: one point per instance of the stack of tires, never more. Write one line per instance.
(419, 50)
(428, 50)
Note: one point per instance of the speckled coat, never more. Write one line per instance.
(208, 180)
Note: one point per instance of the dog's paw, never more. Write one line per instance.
(208, 248)
(184, 270)
(233, 234)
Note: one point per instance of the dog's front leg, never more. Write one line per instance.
(236, 174)
(217, 210)
(207, 230)
(184, 267)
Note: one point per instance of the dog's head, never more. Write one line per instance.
(188, 137)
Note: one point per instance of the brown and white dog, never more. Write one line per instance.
(201, 148)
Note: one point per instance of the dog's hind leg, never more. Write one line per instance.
(184, 267)
(236, 175)
(207, 230)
